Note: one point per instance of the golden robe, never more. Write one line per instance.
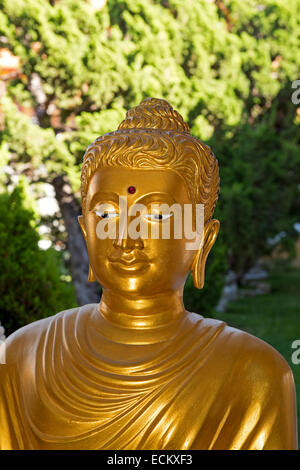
(203, 385)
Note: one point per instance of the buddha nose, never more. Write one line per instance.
(126, 242)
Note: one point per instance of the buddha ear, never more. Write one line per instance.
(91, 277)
(81, 223)
(211, 230)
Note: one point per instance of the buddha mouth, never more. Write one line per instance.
(128, 262)
(132, 267)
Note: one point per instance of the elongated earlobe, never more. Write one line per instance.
(81, 223)
(211, 230)
(91, 277)
(198, 278)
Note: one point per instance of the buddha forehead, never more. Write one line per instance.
(136, 183)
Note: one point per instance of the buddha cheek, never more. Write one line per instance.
(97, 250)
(169, 265)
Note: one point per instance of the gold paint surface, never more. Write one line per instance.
(138, 371)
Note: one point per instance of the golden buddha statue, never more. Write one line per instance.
(137, 371)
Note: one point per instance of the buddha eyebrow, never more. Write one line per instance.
(159, 197)
(103, 196)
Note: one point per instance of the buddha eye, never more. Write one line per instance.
(106, 215)
(158, 216)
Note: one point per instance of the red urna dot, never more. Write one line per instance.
(131, 189)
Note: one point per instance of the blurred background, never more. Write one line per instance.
(69, 70)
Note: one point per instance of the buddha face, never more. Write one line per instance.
(142, 266)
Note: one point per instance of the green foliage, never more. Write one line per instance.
(30, 284)
(30, 144)
(215, 68)
(260, 168)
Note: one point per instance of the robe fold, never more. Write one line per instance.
(67, 384)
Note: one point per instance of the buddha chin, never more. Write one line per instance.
(137, 371)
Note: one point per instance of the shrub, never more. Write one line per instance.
(30, 284)
(259, 168)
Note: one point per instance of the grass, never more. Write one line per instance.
(274, 317)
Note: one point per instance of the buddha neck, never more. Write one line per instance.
(129, 311)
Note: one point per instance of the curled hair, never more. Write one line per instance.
(153, 135)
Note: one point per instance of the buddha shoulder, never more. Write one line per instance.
(247, 355)
(21, 344)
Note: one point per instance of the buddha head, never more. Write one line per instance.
(151, 161)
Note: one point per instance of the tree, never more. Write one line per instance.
(30, 279)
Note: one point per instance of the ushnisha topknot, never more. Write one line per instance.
(153, 113)
(153, 135)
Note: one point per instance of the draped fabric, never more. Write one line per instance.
(68, 384)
